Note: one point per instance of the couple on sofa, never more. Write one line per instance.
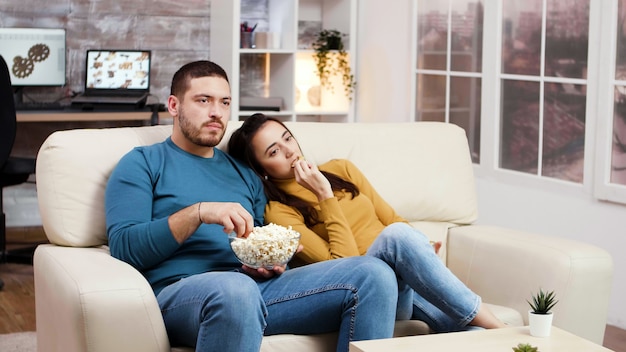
(169, 205)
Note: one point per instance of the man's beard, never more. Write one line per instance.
(194, 134)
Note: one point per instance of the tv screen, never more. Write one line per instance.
(35, 56)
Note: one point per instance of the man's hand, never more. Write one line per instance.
(232, 216)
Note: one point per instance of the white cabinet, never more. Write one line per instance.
(279, 65)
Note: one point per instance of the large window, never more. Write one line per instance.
(544, 87)
(541, 82)
(449, 65)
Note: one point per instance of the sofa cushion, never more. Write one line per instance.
(427, 176)
(423, 170)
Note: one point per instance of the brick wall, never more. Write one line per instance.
(175, 31)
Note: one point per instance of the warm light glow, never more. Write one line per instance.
(313, 97)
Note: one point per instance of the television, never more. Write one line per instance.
(35, 56)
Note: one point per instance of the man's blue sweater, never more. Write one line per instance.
(151, 183)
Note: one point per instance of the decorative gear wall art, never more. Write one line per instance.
(23, 67)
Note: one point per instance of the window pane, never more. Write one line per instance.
(620, 62)
(618, 157)
(431, 98)
(567, 38)
(519, 123)
(521, 39)
(564, 131)
(465, 110)
(432, 34)
(467, 36)
(450, 40)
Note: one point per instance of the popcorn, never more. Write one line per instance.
(295, 161)
(266, 246)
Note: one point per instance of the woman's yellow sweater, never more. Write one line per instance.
(349, 225)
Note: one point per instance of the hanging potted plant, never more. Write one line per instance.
(332, 59)
(540, 315)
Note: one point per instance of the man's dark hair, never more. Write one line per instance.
(196, 69)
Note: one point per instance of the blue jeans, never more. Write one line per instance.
(229, 311)
(438, 297)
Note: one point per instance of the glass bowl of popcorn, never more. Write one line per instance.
(266, 246)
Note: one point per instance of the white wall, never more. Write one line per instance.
(384, 94)
(559, 214)
(383, 61)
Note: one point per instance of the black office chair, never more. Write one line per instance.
(13, 170)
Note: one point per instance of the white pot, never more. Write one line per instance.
(540, 324)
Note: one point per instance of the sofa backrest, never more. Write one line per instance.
(422, 169)
(73, 167)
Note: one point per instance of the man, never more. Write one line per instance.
(169, 209)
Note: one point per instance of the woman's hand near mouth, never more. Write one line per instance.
(311, 178)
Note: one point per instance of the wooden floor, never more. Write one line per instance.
(17, 298)
(615, 339)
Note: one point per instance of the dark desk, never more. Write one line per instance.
(69, 115)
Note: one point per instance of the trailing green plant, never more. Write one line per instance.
(525, 347)
(331, 59)
(543, 302)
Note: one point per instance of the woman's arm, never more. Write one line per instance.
(385, 213)
(340, 242)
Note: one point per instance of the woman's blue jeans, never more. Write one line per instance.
(438, 297)
(229, 311)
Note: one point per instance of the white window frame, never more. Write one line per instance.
(596, 123)
(607, 30)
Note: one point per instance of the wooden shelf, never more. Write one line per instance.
(277, 71)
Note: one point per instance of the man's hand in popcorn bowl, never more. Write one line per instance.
(232, 216)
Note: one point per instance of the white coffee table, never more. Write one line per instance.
(495, 340)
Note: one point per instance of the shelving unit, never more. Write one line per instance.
(284, 68)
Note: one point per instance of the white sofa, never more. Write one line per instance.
(87, 300)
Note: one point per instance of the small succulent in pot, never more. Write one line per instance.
(525, 347)
(543, 302)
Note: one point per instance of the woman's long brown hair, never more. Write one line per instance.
(240, 147)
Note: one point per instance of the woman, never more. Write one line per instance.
(339, 214)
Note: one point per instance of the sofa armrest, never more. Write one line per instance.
(506, 266)
(86, 300)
